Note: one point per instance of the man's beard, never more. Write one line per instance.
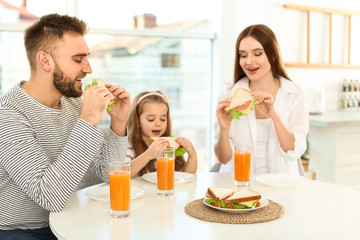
(65, 84)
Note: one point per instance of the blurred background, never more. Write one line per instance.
(186, 50)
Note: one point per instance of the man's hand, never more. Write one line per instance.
(95, 100)
(120, 112)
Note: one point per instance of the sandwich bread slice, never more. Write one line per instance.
(173, 144)
(241, 103)
(244, 197)
(221, 193)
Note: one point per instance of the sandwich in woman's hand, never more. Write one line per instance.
(179, 150)
(233, 197)
(241, 103)
(101, 82)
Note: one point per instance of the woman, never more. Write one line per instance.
(278, 126)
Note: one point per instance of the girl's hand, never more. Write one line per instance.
(191, 163)
(186, 143)
(156, 144)
(223, 117)
(266, 106)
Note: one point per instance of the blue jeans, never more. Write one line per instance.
(28, 234)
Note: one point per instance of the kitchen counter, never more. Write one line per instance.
(336, 118)
(333, 147)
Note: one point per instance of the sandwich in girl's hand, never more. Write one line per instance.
(241, 103)
(235, 198)
(101, 82)
(179, 150)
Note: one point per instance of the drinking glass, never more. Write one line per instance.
(120, 189)
(165, 158)
(242, 161)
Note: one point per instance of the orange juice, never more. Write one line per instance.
(120, 191)
(165, 173)
(242, 166)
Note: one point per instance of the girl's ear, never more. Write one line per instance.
(44, 60)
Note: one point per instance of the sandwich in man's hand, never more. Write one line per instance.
(179, 150)
(241, 103)
(101, 82)
(233, 198)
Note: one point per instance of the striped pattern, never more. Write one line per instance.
(130, 153)
(44, 155)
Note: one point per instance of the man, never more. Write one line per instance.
(48, 134)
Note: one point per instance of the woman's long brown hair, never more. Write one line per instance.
(269, 42)
(135, 137)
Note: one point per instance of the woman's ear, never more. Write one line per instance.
(44, 60)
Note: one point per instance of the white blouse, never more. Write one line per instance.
(291, 104)
(260, 157)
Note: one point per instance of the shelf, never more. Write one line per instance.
(323, 65)
(330, 12)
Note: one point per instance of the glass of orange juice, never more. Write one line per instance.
(165, 159)
(119, 189)
(242, 161)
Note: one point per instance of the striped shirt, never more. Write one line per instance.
(44, 155)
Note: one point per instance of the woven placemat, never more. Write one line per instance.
(198, 209)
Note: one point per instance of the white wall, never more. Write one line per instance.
(290, 28)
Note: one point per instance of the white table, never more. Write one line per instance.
(314, 210)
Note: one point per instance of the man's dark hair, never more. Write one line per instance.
(45, 33)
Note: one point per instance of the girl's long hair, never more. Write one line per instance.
(135, 136)
(266, 37)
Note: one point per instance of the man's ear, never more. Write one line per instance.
(44, 60)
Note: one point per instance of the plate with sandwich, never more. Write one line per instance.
(234, 200)
(102, 193)
(179, 177)
(241, 103)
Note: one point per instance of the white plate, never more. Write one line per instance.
(281, 180)
(263, 203)
(179, 177)
(103, 193)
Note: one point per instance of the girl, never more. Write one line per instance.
(150, 117)
(278, 127)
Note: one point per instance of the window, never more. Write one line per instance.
(144, 71)
(136, 45)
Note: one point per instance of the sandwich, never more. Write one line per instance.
(233, 198)
(179, 150)
(101, 82)
(241, 103)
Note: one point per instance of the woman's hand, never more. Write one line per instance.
(223, 117)
(266, 106)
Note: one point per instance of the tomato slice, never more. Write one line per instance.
(244, 106)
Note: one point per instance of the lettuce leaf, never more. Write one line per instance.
(181, 151)
(223, 204)
(237, 206)
(235, 114)
(93, 83)
(110, 107)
